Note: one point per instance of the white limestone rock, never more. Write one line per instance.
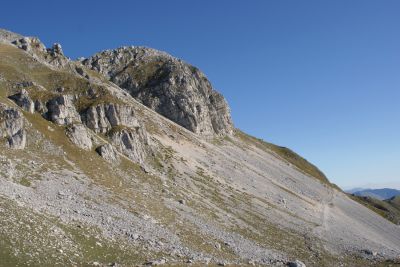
(167, 85)
(61, 110)
(103, 117)
(79, 135)
(133, 143)
(12, 127)
(108, 152)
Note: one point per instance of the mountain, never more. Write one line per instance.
(171, 87)
(130, 157)
(381, 194)
(353, 190)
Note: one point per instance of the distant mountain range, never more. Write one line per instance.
(381, 194)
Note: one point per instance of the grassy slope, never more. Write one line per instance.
(287, 155)
(389, 209)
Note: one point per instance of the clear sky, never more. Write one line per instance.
(320, 77)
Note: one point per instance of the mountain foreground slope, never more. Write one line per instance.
(141, 165)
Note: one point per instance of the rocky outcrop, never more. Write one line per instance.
(133, 143)
(23, 100)
(167, 85)
(123, 129)
(103, 117)
(12, 127)
(61, 110)
(8, 37)
(79, 135)
(108, 153)
(53, 56)
(30, 44)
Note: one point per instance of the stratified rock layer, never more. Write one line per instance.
(167, 85)
(108, 153)
(79, 135)
(12, 127)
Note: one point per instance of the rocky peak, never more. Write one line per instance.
(53, 56)
(56, 49)
(171, 87)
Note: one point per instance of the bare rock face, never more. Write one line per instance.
(108, 153)
(23, 100)
(79, 135)
(61, 110)
(132, 143)
(167, 85)
(103, 117)
(12, 127)
(123, 129)
(53, 56)
(30, 44)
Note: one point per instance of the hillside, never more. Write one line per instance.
(90, 175)
(381, 194)
(389, 208)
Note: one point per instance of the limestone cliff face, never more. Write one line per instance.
(167, 85)
(103, 117)
(12, 127)
(120, 124)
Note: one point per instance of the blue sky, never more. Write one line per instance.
(320, 77)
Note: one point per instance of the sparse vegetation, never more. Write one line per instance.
(287, 155)
(389, 209)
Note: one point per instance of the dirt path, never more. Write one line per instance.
(325, 210)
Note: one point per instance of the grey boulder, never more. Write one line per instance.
(133, 143)
(79, 135)
(108, 153)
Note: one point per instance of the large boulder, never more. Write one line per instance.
(79, 135)
(12, 127)
(108, 152)
(133, 143)
(167, 85)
